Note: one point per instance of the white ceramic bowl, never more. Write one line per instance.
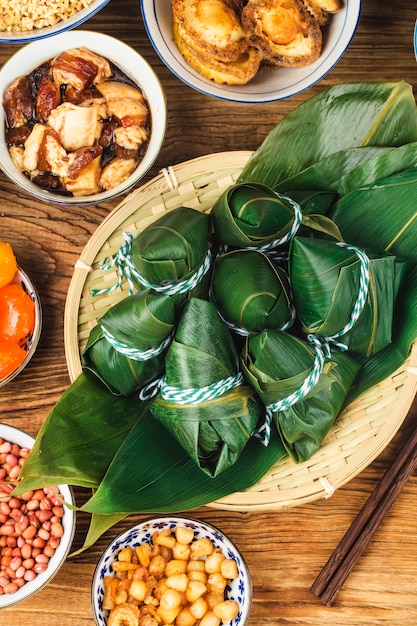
(127, 59)
(15, 435)
(266, 86)
(31, 344)
(19, 37)
(240, 588)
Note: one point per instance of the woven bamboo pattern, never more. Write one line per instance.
(363, 429)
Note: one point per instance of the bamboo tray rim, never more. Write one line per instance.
(360, 433)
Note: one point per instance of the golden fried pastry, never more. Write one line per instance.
(238, 71)
(284, 31)
(213, 27)
(321, 9)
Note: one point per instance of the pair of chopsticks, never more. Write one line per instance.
(355, 541)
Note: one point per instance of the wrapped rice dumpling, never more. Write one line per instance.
(127, 347)
(172, 249)
(251, 292)
(253, 215)
(326, 283)
(277, 365)
(211, 421)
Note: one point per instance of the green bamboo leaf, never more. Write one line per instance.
(325, 282)
(250, 291)
(213, 431)
(344, 116)
(352, 168)
(312, 201)
(163, 478)
(393, 162)
(172, 247)
(383, 216)
(250, 215)
(80, 437)
(99, 524)
(142, 321)
(326, 173)
(382, 364)
(276, 365)
(274, 362)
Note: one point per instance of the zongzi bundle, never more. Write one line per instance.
(253, 215)
(251, 292)
(127, 347)
(326, 285)
(203, 400)
(278, 365)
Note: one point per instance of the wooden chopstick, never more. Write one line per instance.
(355, 541)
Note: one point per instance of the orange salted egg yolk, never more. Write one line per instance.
(11, 356)
(17, 314)
(8, 263)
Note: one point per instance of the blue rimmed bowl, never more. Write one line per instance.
(268, 86)
(239, 589)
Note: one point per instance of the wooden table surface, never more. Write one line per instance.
(285, 550)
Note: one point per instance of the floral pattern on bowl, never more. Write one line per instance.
(240, 589)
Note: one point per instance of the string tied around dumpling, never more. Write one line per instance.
(322, 347)
(244, 332)
(270, 247)
(197, 395)
(134, 353)
(126, 269)
(327, 341)
(264, 431)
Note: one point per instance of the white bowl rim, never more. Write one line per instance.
(22, 277)
(158, 27)
(14, 434)
(25, 36)
(177, 520)
(99, 43)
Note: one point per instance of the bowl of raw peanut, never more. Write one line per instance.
(36, 527)
(173, 571)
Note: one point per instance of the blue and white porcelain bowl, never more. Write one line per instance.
(240, 589)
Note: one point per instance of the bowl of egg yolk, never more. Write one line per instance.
(20, 316)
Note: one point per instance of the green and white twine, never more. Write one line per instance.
(321, 346)
(276, 243)
(244, 332)
(126, 269)
(197, 395)
(264, 431)
(134, 353)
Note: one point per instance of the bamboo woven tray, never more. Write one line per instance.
(362, 430)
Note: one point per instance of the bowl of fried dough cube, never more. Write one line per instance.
(172, 571)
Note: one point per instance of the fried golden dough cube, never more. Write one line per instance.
(284, 31)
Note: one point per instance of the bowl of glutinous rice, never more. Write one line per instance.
(22, 22)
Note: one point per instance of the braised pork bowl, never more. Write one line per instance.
(82, 122)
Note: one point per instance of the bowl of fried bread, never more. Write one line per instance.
(251, 51)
